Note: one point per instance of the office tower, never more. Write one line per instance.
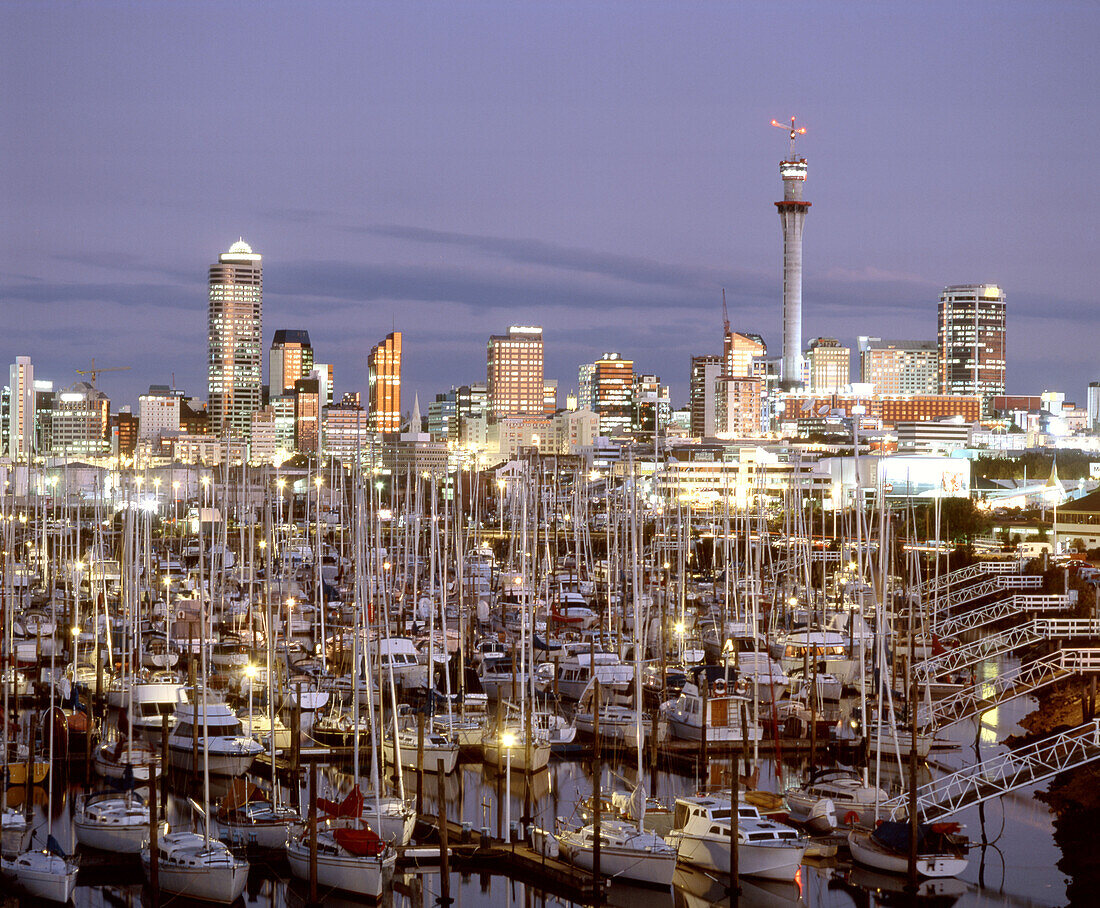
(792, 217)
(830, 365)
(235, 364)
(124, 433)
(290, 358)
(972, 341)
(702, 394)
(1093, 405)
(345, 431)
(899, 367)
(307, 415)
(325, 375)
(585, 400)
(741, 353)
(384, 368)
(21, 424)
(80, 422)
(159, 411)
(514, 372)
(612, 393)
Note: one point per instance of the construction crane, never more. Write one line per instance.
(95, 370)
(801, 131)
(725, 316)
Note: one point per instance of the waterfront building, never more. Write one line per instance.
(971, 341)
(830, 366)
(21, 419)
(514, 369)
(290, 358)
(899, 367)
(889, 410)
(235, 354)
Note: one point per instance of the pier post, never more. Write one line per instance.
(194, 703)
(296, 728)
(419, 764)
(444, 850)
(313, 833)
(164, 762)
(29, 807)
(596, 793)
(154, 845)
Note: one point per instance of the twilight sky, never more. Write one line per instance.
(602, 169)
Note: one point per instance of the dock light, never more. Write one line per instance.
(290, 602)
(318, 482)
(793, 601)
(667, 565)
(679, 627)
(75, 631)
(509, 741)
(852, 565)
(519, 580)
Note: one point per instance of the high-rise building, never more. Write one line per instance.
(971, 341)
(1093, 405)
(345, 431)
(830, 365)
(80, 422)
(792, 217)
(549, 396)
(326, 378)
(514, 372)
(235, 363)
(613, 393)
(702, 394)
(21, 424)
(651, 407)
(290, 358)
(307, 416)
(384, 368)
(899, 367)
(739, 406)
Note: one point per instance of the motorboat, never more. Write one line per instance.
(718, 715)
(230, 752)
(833, 797)
(701, 835)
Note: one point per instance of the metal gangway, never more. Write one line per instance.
(947, 582)
(1068, 628)
(1001, 774)
(950, 625)
(1026, 679)
(988, 647)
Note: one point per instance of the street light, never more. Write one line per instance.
(508, 740)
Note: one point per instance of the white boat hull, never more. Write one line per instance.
(46, 876)
(866, 852)
(359, 875)
(778, 861)
(647, 867)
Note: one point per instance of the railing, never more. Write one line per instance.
(1001, 774)
(978, 651)
(1067, 628)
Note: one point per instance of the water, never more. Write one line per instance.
(1026, 863)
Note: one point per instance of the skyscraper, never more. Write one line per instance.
(613, 393)
(21, 424)
(235, 362)
(899, 367)
(514, 372)
(290, 358)
(702, 394)
(792, 217)
(384, 370)
(830, 365)
(971, 341)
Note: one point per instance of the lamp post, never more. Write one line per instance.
(509, 741)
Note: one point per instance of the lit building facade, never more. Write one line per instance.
(702, 394)
(741, 353)
(739, 410)
(830, 365)
(235, 326)
(971, 340)
(514, 369)
(80, 422)
(307, 416)
(346, 433)
(613, 392)
(159, 411)
(899, 367)
(290, 358)
(21, 419)
(384, 369)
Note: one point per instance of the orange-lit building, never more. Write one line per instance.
(384, 367)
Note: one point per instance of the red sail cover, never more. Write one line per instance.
(351, 806)
(363, 843)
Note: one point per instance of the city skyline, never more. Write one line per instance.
(503, 170)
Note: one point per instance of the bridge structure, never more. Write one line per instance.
(951, 625)
(987, 647)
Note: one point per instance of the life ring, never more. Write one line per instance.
(851, 818)
(720, 687)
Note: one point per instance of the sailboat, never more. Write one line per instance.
(189, 863)
(114, 821)
(47, 874)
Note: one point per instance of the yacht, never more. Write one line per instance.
(941, 851)
(194, 866)
(114, 821)
(351, 858)
(833, 797)
(701, 835)
(42, 874)
(574, 672)
(230, 751)
(722, 719)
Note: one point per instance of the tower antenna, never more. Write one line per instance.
(795, 133)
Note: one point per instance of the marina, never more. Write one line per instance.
(710, 681)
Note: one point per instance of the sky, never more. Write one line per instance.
(601, 169)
